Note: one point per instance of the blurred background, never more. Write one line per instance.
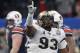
(69, 9)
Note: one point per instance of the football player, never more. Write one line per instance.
(67, 30)
(15, 33)
(69, 38)
(44, 38)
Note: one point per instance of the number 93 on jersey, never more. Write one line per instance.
(48, 43)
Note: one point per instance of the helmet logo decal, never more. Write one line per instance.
(16, 16)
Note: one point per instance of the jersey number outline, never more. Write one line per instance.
(45, 43)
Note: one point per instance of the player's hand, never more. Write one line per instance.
(31, 8)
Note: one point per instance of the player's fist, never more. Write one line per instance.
(31, 8)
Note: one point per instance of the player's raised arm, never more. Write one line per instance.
(31, 10)
(29, 21)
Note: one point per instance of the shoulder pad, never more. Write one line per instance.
(17, 30)
(67, 30)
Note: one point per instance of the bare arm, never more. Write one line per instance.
(64, 50)
(16, 43)
(71, 44)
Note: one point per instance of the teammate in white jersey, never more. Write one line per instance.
(44, 38)
(67, 30)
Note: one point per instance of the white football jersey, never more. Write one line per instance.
(47, 41)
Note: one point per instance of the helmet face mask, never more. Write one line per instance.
(10, 22)
(45, 21)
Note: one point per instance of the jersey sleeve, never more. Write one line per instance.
(17, 30)
(62, 44)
